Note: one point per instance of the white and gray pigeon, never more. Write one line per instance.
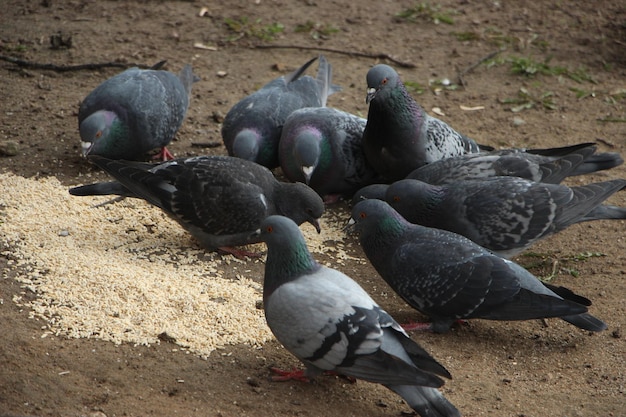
(400, 136)
(135, 112)
(330, 323)
(321, 146)
(220, 200)
(550, 165)
(448, 277)
(503, 214)
(252, 127)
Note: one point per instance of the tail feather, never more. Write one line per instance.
(427, 402)
(599, 162)
(606, 212)
(187, 77)
(586, 321)
(587, 198)
(324, 78)
(298, 73)
(102, 188)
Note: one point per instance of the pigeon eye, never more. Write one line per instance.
(396, 198)
(269, 229)
(98, 133)
(362, 215)
(384, 81)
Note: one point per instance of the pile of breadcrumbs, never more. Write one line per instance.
(125, 272)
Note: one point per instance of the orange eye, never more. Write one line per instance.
(269, 229)
(396, 198)
(98, 133)
(362, 215)
(384, 81)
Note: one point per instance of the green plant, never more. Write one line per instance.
(316, 30)
(546, 266)
(415, 87)
(243, 27)
(424, 11)
(525, 100)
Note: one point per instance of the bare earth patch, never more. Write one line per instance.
(116, 311)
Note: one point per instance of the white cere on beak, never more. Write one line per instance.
(85, 146)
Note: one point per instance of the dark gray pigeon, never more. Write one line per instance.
(503, 214)
(134, 112)
(252, 127)
(220, 200)
(539, 165)
(448, 277)
(330, 323)
(321, 146)
(400, 136)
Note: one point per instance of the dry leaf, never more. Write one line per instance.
(438, 111)
(466, 108)
(203, 46)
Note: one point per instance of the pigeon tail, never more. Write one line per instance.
(324, 77)
(605, 212)
(586, 321)
(102, 188)
(599, 162)
(427, 402)
(187, 78)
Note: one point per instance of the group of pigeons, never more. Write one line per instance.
(437, 214)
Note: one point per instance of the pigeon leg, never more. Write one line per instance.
(425, 326)
(164, 155)
(295, 374)
(331, 198)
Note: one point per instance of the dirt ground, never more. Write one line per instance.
(499, 369)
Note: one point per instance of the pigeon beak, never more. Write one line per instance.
(255, 235)
(350, 227)
(308, 172)
(316, 224)
(371, 93)
(85, 147)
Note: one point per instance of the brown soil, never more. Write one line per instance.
(499, 369)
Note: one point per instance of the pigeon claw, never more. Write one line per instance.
(294, 375)
(163, 155)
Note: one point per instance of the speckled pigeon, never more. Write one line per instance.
(252, 127)
(134, 112)
(220, 200)
(330, 323)
(540, 165)
(448, 277)
(321, 146)
(400, 136)
(503, 214)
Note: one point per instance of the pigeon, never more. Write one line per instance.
(503, 214)
(252, 127)
(377, 191)
(448, 277)
(330, 323)
(400, 136)
(321, 146)
(135, 112)
(220, 200)
(539, 165)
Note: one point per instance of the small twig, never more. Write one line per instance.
(475, 65)
(339, 51)
(206, 144)
(63, 68)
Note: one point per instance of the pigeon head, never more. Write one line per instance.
(376, 191)
(300, 203)
(246, 144)
(375, 219)
(287, 254)
(307, 151)
(380, 78)
(100, 133)
(414, 196)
